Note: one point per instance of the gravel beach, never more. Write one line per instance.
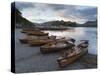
(30, 59)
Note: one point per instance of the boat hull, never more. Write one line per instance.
(37, 33)
(65, 61)
(39, 42)
(48, 49)
(23, 41)
(26, 30)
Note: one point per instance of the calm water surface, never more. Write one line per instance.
(80, 33)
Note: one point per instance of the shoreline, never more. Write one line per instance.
(30, 59)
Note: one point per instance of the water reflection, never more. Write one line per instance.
(80, 33)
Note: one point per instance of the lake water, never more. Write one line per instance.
(80, 33)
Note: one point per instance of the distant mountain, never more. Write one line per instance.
(59, 23)
(90, 24)
(70, 24)
(53, 23)
(19, 19)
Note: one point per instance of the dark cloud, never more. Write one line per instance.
(72, 11)
(56, 7)
(86, 13)
(58, 10)
(24, 5)
(89, 13)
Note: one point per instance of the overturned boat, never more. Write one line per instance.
(73, 54)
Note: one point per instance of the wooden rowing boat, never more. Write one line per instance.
(25, 40)
(39, 42)
(73, 54)
(25, 30)
(55, 46)
(37, 33)
(32, 40)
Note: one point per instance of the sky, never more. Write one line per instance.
(42, 12)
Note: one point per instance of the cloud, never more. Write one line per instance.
(47, 12)
(81, 13)
(24, 5)
(89, 13)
